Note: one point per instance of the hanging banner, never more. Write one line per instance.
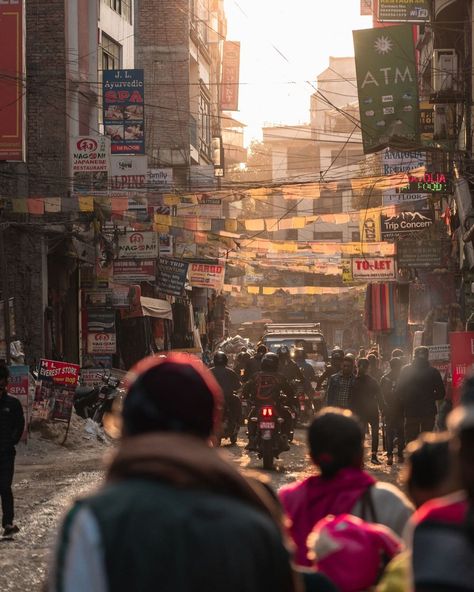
(387, 87)
(11, 80)
(230, 76)
(138, 245)
(369, 226)
(373, 268)
(54, 396)
(405, 223)
(172, 274)
(462, 359)
(133, 271)
(128, 173)
(90, 163)
(206, 276)
(124, 116)
(19, 387)
(403, 11)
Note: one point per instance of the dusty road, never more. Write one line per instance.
(45, 486)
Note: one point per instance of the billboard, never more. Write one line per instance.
(133, 271)
(124, 110)
(11, 82)
(404, 223)
(90, 163)
(128, 172)
(230, 76)
(172, 274)
(138, 245)
(373, 268)
(403, 11)
(387, 87)
(206, 276)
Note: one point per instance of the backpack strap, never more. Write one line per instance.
(368, 511)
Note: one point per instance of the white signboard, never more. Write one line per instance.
(137, 245)
(373, 268)
(128, 172)
(160, 178)
(206, 276)
(101, 343)
(439, 352)
(393, 162)
(90, 163)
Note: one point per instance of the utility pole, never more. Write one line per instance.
(5, 293)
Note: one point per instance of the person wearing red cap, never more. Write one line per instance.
(173, 515)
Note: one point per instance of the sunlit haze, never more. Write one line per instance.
(284, 46)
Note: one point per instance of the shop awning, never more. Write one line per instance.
(158, 309)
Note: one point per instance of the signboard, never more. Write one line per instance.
(426, 121)
(101, 343)
(429, 183)
(130, 272)
(90, 163)
(207, 207)
(439, 352)
(19, 387)
(373, 268)
(166, 245)
(100, 320)
(396, 161)
(206, 276)
(366, 8)
(427, 253)
(387, 87)
(230, 76)
(369, 225)
(403, 11)
(462, 359)
(124, 110)
(395, 197)
(172, 274)
(160, 179)
(11, 80)
(138, 245)
(54, 396)
(128, 173)
(405, 222)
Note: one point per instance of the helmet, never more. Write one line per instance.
(337, 354)
(350, 552)
(262, 349)
(270, 362)
(220, 359)
(175, 394)
(284, 352)
(300, 354)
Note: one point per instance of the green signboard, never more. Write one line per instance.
(387, 88)
(403, 11)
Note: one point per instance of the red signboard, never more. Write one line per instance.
(11, 80)
(462, 359)
(230, 76)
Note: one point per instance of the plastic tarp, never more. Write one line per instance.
(158, 309)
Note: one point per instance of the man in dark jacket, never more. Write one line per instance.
(12, 423)
(253, 365)
(419, 387)
(337, 357)
(173, 515)
(393, 410)
(229, 382)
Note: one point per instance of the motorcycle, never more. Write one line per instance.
(304, 405)
(95, 401)
(269, 439)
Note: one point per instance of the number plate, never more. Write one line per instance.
(267, 425)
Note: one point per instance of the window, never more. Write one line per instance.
(110, 53)
(204, 125)
(123, 7)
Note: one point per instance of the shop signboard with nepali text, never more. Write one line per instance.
(387, 87)
(203, 275)
(373, 269)
(11, 80)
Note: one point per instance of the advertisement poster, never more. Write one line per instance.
(90, 163)
(101, 343)
(462, 359)
(11, 86)
(404, 223)
(54, 396)
(403, 11)
(128, 173)
(129, 272)
(387, 87)
(369, 226)
(206, 276)
(138, 245)
(230, 76)
(374, 268)
(172, 274)
(19, 387)
(124, 110)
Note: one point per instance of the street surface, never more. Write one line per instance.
(44, 489)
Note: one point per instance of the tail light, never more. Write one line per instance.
(302, 397)
(267, 411)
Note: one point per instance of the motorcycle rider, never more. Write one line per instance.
(287, 367)
(337, 356)
(253, 365)
(266, 387)
(306, 369)
(229, 383)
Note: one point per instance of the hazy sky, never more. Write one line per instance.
(285, 43)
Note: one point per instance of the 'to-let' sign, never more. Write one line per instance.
(373, 268)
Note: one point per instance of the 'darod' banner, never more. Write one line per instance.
(462, 359)
(11, 80)
(230, 76)
(387, 87)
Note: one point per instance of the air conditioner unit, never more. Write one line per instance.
(444, 70)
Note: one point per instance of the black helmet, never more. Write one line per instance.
(284, 352)
(220, 359)
(337, 354)
(270, 362)
(300, 354)
(262, 349)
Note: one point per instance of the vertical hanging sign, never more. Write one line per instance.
(230, 76)
(11, 80)
(387, 88)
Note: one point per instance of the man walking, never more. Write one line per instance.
(419, 387)
(393, 411)
(12, 423)
(341, 385)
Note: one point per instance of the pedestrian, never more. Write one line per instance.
(12, 424)
(173, 515)
(419, 387)
(336, 446)
(374, 366)
(365, 403)
(229, 382)
(393, 411)
(253, 365)
(337, 357)
(341, 384)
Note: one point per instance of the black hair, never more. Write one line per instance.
(363, 362)
(336, 440)
(397, 353)
(429, 461)
(371, 358)
(348, 358)
(395, 363)
(4, 372)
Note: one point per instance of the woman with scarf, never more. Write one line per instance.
(336, 443)
(173, 515)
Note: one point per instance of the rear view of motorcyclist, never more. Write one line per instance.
(254, 364)
(287, 367)
(229, 383)
(266, 387)
(337, 356)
